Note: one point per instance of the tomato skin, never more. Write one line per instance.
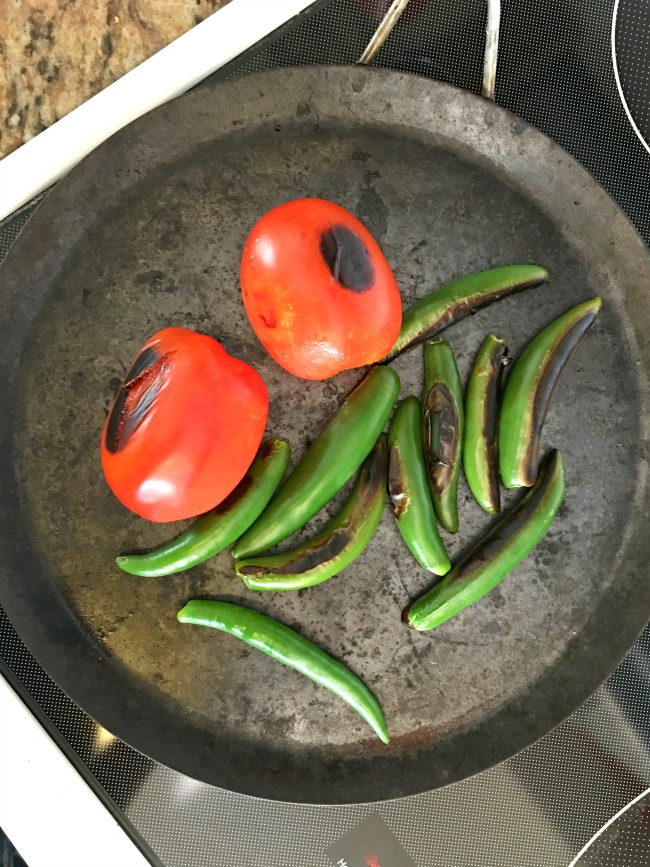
(313, 324)
(184, 427)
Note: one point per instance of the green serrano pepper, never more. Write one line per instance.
(333, 458)
(290, 648)
(442, 429)
(504, 547)
(409, 491)
(529, 390)
(219, 527)
(337, 545)
(438, 310)
(480, 458)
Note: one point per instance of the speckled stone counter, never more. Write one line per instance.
(55, 54)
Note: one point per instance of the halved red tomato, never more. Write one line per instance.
(184, 427)
(318, 290)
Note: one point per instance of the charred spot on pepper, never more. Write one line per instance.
(396, 486)
(467, 306)
(234, 496)
(347, 258)
(135, 398)
(549, 374)
(440, 426)
(374, 473)
(267, 449)
(512, 525)
(311, 558)
(490, 414)
(498, 362)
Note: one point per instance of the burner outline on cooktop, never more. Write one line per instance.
(618, 81)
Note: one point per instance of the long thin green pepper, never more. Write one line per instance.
(288, 647)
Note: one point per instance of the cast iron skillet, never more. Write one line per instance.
(147, 232)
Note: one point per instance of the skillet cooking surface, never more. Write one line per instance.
(147, 233)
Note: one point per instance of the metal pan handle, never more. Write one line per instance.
(490, 56)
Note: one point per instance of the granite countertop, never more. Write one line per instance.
(55, 54)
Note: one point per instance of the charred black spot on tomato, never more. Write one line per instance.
(347, 258)
(115, 421)
(146, 359)
(135, 398)
(141, 395)
(396, 487)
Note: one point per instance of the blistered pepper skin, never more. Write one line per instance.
(480, 445)
(442, 429)
(333, 458)
(504, 547)
(438, 310)
(339, 542)
(529, 391)
(409, 490)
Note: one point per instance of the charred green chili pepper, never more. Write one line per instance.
(480, 456)
(442, 429)
(333, 458)
(219, 527)
(290, 648)
(529, 390)
(409, 491)
(337, 545)
(438, 310)
(504, 547)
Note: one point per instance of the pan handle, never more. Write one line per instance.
(491, 48)
(490, 56)
(383, 31)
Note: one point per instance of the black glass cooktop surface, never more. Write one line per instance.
(578, 71)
